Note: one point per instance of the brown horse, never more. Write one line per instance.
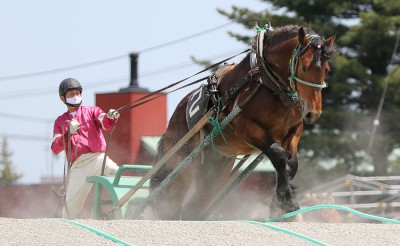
(271, 121)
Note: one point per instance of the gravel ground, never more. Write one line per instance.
(144, 232)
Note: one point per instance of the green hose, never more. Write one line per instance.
(316, 207)
(105, 235)
(276, 228)
(368, 216)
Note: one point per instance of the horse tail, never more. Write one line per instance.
(162, 173)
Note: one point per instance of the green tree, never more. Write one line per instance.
(7, 174)
(366, 34)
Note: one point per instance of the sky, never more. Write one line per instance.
(43, 35)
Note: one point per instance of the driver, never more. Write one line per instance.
(87, 143)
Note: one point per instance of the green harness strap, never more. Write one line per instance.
(216, 126)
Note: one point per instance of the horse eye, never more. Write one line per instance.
(304, 68)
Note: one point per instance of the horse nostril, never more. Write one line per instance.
(309, 116)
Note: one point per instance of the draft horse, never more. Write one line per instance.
(281, 81)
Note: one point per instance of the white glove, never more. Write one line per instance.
(113, 114)
(73, 126)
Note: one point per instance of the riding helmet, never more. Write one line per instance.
(69, 84)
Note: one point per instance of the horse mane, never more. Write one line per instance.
(284, 33)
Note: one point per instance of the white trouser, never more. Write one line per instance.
(78, 189)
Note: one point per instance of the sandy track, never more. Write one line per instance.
(136, 232)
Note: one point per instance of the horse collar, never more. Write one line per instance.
(288, 95)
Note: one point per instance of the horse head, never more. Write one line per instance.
(309, 67)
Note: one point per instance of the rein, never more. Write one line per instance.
(67, 169)
(140, 101)
(136, 102)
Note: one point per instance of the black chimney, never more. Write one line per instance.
(133, 84)
(134, 69)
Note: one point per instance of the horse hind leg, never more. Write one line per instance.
(210, 177)
(161, 174)
(169, 203)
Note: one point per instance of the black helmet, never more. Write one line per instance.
(69, 84)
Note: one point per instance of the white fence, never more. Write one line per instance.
(378, 196)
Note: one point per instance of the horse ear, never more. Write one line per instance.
(301, 35)
(329, 41)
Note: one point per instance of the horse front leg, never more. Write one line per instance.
(291, 143)
(284, 200)
(169, 203)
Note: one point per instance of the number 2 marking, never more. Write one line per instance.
(192, 110)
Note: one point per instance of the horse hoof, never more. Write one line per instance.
(291, 206)
(279, 208)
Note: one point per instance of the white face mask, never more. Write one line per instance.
(74, 100)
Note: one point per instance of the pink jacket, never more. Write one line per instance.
(89, 138)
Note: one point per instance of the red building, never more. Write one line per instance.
(138, 130)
